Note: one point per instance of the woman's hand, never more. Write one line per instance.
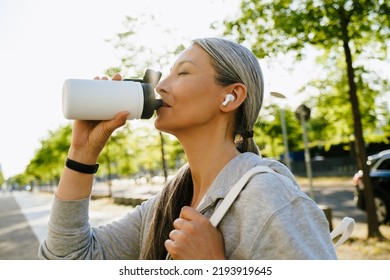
(194, 238)
(90, 137)
(88, 140)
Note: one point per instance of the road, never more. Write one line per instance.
(24, 217)
(340, 200)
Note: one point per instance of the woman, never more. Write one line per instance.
(212, 99)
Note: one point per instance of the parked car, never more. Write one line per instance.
(379, 166)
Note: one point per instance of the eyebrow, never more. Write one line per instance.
(185, 61)
(182, 62)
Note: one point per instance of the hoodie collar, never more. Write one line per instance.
(233, 171)
(227, 177)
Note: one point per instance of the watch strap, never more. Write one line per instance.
(81, 167)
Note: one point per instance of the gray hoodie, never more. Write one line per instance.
(270, 219)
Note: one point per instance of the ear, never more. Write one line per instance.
(239, 93)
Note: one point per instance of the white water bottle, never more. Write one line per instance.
(103, 99)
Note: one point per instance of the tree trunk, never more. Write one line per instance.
(361, 156)
(108, 159)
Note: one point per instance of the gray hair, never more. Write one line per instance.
(235, 63)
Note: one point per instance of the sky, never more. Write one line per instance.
(43, 43)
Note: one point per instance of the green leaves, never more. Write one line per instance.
(132, 149)
(277, 26)
(291, 26)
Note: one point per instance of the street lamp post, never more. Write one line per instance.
(284, 129)
(303, 115)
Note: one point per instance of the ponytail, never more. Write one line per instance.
(246, 143)
(175, 195)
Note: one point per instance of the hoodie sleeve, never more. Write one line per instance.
(297, 231)
(70, 235)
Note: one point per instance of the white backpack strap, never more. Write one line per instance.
(234, 192)
(345, 229)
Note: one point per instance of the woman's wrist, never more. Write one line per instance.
(82, 156)
(81, 167)
(74, 185)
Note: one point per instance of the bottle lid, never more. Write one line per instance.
(150, 102)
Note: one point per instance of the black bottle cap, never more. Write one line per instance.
(150, 102)
(152, 77)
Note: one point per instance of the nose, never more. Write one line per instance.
(161, 87)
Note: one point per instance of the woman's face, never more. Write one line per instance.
(191, 96)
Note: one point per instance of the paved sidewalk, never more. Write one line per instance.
(24, 220)
(17, 239)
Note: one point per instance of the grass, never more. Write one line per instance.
(364, 249)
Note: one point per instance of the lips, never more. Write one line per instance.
(165, 104)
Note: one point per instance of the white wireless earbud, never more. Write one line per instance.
(228, 98)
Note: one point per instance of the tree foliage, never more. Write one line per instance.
(353, 29)
(137, 55)
(268, 131)
(271, 28)
(289, 25)
(132, 150)
(1, 178)
(332, 121)
(48, 161)
(138, 51)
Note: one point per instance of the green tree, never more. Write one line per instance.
(136, 54)
(268, 131)
(1, 177)
(114, 157)
(47, 164)
(331, 122)
(349, 28)
(136, 57)
(129, 150)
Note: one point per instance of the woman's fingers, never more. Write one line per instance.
(193, 237)
(117, 77)
(119, 120)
